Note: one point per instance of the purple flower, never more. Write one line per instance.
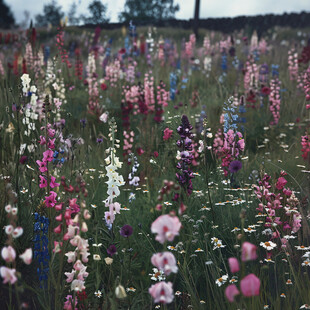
(185, 144)
(235, 166)
(126, 231)
(112, 250)
(23, 159)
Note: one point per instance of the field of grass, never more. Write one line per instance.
(89, 126)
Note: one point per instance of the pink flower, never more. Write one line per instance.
(231, 291)
(18, 231)
(233, 264)
(71, 256)
(43, 182)
(8, 275)
(109, 217)
(53, 183)
(165, 261)
(48, 156)
(27, 256)
(166, 227)
(8, 254)
(68, 303)
(51, 132)
(50, 200)
(57, 246)
(42, 140)
(281, 183)
(250, 285)
(42, 166)
(162, 292)
(51, 144)
(248, 251)
(70, 276)
(167, 134)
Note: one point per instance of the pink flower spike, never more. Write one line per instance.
(166, 227)
(162, 292)
(8, 254)
(8, 275)
(250, 285)
(231, 291)
(233, 264)
(27, 256)
(248, 251)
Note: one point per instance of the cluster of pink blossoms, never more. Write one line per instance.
(305, 143)
(47, 181)
(166, 227)
(250, 284)
(275, 101)
(228, 148)
(281, 207)
(8, 253)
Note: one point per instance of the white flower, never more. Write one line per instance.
(269, 245)
(77, 285)
(103, 117)
(249, 230)
(96, 257)
(222, 280)
(302, 247)
(98, 294)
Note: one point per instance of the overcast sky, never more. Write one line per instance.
(208, 8)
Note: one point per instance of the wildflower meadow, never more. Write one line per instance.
(145, 168)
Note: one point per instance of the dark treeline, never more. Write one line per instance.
(260, 23)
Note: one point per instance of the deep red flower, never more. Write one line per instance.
(103, 86)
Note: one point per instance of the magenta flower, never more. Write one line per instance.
(42, 166)
(231, 291)
(162, 292)
(250, 285)
(50, 200)
(166, 227)
(281, 183)
(165, 262)
(233, 264)
(167, 134)
(43, 181)
(53, 183)
(248, 251)
(48, 155)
